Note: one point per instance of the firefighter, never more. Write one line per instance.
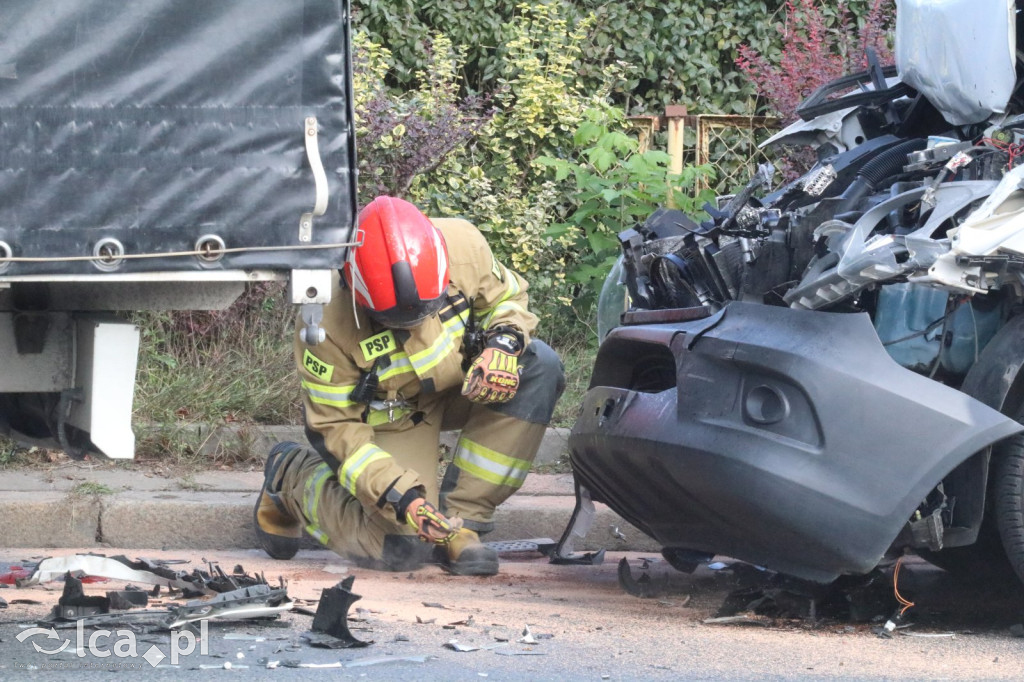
(426, 332)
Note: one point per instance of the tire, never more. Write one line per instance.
(984, 561)
(1008, 502)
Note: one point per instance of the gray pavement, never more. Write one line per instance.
(82, 505)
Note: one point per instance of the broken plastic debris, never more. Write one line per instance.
(74, 604)
(332, 613)
(434, 605)
(455, 645)
(527, 637)
(579, 524)
(717, 566)
(930, 635)
(258, 601)
(127, 599)
(322, 640)
(641, 587)
(13, 575)
(886, 630)
(80, 565)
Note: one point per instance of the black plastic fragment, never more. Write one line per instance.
(588, 559)
(638, 587)
(127, 599)
(73, 604)
(323, 640)
(685, 560)
(332, 613)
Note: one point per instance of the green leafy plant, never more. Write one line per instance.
(91, 488)
(495, 182)
(616, 186)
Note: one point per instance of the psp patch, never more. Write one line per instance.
(316, 366)
(378, 345)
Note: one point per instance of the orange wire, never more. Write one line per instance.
(904, 602)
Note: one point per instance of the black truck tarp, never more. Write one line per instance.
(158, 122)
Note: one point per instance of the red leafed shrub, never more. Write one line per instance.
(819, 44)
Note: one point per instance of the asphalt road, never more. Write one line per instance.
(583, 626)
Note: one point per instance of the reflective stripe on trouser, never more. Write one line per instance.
(370, 537)
(490, 463)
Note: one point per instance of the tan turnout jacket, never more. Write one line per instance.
(413, 366)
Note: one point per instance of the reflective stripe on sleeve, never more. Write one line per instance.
(490, 465)
(512, 289)
(356, 463)
(399, 365)
(443, 345)
(335, 396)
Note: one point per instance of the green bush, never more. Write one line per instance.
(672, 51)
(615, 186)
(495, 181)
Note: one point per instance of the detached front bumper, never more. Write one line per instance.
(784, 438)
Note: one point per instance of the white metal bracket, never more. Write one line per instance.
(319, 178)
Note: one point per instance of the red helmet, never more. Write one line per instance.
(400, 271)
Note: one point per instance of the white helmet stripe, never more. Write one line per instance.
(358, 284)
(442, 262)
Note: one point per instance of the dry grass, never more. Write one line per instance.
(236, 367)
(215, 368)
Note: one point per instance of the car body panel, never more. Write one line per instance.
(791, 439)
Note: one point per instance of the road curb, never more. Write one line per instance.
(213, 510)
(49, 519)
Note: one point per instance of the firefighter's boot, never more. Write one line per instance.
(278, 532)
(464, 554)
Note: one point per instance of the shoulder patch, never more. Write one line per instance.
(316, 366)
(497, 269)
(378, 345)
